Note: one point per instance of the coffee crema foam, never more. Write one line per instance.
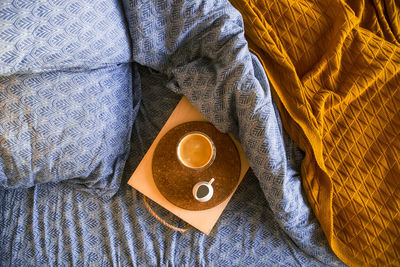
(195, 150)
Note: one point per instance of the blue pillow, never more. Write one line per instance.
(66, 125)
(65, 93)
(46, 35)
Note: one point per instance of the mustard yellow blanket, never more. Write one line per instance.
(335, 70)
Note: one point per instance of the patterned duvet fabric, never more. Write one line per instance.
(335, 69)
(195, 48)
(60, 225)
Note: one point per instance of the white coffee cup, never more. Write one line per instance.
(203, 191)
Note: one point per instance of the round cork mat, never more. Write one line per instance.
(175, 181)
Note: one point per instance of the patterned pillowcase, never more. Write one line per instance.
(65, 105)
(66, 125)
(45, 35)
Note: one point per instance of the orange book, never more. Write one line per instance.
(142, 178)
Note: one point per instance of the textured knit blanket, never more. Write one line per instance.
(335, 69)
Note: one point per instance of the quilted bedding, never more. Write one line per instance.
(167, 48)
(335, 69)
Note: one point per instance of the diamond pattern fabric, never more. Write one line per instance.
(335, 70)
(55, 224)
(66, 93)
(47, 35)
(66, 126)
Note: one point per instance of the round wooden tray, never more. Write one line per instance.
(175, 181)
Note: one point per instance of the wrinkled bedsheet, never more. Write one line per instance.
(196, 49)
(57, 224)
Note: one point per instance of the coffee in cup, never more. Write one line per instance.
(196, 150)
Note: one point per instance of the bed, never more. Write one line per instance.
(86, 86)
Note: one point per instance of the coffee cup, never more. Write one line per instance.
(196, 150)
(203, 191)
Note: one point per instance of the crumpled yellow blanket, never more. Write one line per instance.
(335, 69)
